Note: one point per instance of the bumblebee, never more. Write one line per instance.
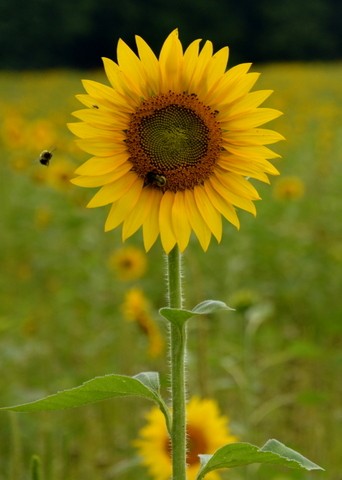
(154, 179)
(45, 157)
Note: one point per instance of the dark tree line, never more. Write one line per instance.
(76, 33)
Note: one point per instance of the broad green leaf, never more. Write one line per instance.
(181, 315)
(145, 385)
(239, 454)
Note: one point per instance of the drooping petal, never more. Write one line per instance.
(112, 192)
(180, 221)
(167, 235)
(122, 207)
(208, 212)
(151, 224)
(196, 221)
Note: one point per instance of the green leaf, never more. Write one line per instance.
(176, 315)
(210, 306)
(145, 385)
(181, 315)
(239, 454)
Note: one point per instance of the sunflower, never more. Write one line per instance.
(174, 141)
(289, 188)
(129, 263)
(136, 308)
(207, 430)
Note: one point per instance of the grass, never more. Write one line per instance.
(274, 365)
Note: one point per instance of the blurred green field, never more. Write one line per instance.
(274, 365)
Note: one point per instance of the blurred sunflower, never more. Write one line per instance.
(129, 263)
(136, 308)
(173, 141)
(289, 188)
(207, 431)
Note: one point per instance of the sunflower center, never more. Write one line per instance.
(197, 444)
(173, 141)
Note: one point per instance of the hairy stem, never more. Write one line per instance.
(177, 353)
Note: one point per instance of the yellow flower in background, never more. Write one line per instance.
(136, 308)
(173, 141)
(129, 263)
(57, 175)
(207, 431)
(289, 188)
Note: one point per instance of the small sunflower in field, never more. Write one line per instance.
(174, 141)
(136, 308)
(289, 188)
(129, 263)
(207, 431)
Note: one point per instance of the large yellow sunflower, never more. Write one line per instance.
(207, 431)
(174, 141)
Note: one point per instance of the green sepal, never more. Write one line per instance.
(145, 385)
(239, 454)
(179, 316)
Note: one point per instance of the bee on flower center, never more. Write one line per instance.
(154, 179)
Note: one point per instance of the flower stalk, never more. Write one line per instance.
(178, 381)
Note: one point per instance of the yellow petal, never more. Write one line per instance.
(229, 79)
(170, 59)
(120, 209)
(222, 205)
(112, 192)
(167, 236)
(248, 102)
(255, 136)
(208, 212)
(138, 215)
(202, 63)
(108, 95)
(189, 63)
(151, 224)
(243, 168)
(229, 197)
(251, 151)
(248, 120)
(196, 221)
(101, 165)
(82, 130)
(100, 180)
(150, 64)
(102, 119)
(217, 67)
(114, 76)
(180, 222)
(233, 92)
(237, 185)
(131, 66)
(101, 146)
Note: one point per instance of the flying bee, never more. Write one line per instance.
(154, 179)
(45, 157)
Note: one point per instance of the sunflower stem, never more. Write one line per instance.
(177, 353)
